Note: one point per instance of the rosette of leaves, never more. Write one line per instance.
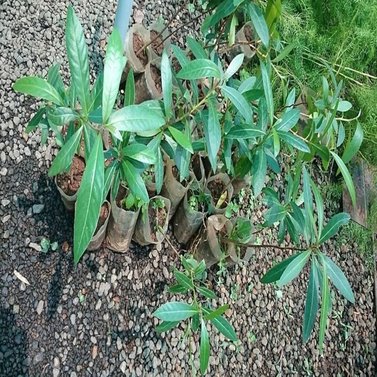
(197, 311)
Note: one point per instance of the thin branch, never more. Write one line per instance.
(265, 246)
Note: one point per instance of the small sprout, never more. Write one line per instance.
(54, 246)
(45, 245)
(279, 294)
(82, 298)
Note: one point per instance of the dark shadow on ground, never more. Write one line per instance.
(13, 346)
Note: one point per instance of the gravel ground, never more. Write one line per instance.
(95, 320)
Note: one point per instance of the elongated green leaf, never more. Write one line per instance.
(167, 85)
(284, 53)
(129, 92)
(267, 91)
(159, 171)
(353, 146)
(206, 292)
(239, 102)
(234, 66)
(177, 288)
(259, 171)
(77, 52)
(196, 48)
(289, 120)
(175, 311)
(96, 94)
(216, 313)
(333, 226)
(199, 69)
(223, 326)
(274, 274)
(135, 182)
(65, 155)
(109, 177)
(308, 199)
(37, 87)
(295, 141)
(244, 132)
(61, 115)
(276, 213)
(136, 118)
(204, 348)
(35, 120)
(89, 200)
(181, 139)
(183, 280)
(294, 268)
(259, 23)
(115, 62)
(311, 304)
(325, 308)
(166, 326)
(338, 278)
(55, 79)
(346, 176)
(90, 136)
(140, 152)
(319, 205)
(212, 133)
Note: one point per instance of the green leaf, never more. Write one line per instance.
(135, 182)
(183, 280)
(353, 146)
(35, 120)
(140, 152)
(308, 200)
(55, 79)
(89, 200)
(37, 87)
(338, 278)
(289, 120)
(177, 288)
(175, 311)
(181, 139)
(77, 52)
(129, 92)
(234, 66)
(167, 85)
(61, 115)
(136, 118)
(159, 171)
(344, 106)
(212, 133)
(96, 94)
(267, 91)
(284, 53)
(196, 48)
(166, 326)
(311, 304)
(333, 226)
(294, 268)
(259, 23)
(108, 179)
(115, 62)
(276, 213)
(206, 292)
(295, 141)
(325, 308)
(259, 171)
(319, 205)
(346, 176)
(274, 274)
(195, 322)
(199, 69)
(223, 326)
(216, 313)
(239, 102)
(204, 348)
(64, 158)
